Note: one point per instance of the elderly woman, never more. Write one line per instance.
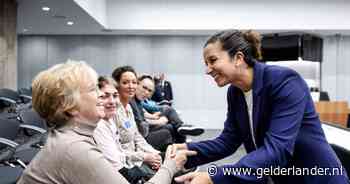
(66, 96)
(123, 145)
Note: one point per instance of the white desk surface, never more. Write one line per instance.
(337, 136)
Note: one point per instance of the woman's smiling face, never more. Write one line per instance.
(219, 64)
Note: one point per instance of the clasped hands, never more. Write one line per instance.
(192, 177)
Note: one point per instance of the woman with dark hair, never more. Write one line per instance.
(270, 111)
(126, 78)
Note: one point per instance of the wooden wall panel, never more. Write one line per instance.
(333, 112)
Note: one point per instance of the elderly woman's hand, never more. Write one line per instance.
(153, 159)
(180, 156)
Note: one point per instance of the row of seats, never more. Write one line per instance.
(22, 133)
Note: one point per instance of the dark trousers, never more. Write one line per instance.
(159, 138)
(174, 123)
(172, 116)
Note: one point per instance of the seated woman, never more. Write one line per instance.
(66, 96)
(126, 78)
(120, 141)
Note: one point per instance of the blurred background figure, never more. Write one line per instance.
(163, 93)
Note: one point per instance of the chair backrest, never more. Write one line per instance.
(11, 94)
(25, 94)
(9, 99)
(8, 129)
(324, 96)
(9, 175)
(8, 115)
(25, 91)
(30, 117)
(343, 155)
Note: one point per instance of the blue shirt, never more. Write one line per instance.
(150, 106)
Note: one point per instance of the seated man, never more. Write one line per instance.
(163, 93)
(151, 106)
(167, 117)
(167, 111)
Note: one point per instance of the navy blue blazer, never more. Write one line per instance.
(287, 130)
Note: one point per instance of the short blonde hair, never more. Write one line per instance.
(56, 91)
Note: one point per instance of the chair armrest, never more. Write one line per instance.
(35, 128)
(8, 100)
(8, 154)
(7, 157)
(8, 142)
(26, 97)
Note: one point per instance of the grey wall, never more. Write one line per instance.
(180, 57)
(8, 44)
(336, 67)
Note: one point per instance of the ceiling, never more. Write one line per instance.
(32, 20)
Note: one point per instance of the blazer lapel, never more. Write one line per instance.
(256, 112)
(257, 88)
(242, 116)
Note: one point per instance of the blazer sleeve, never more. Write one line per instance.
(224, 145)
(288, 105)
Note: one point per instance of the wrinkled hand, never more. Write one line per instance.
(153, 159)
(180, 156)
(156, 165)
(194, 178)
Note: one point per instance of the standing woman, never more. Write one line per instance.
(270, 111)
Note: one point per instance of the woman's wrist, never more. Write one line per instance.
(170, 166)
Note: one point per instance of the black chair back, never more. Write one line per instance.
(9, 175)
(11, 94)
(343, 155)
(8, 129)
(31, 117)
(25, 91)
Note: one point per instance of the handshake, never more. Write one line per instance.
(179, 154)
